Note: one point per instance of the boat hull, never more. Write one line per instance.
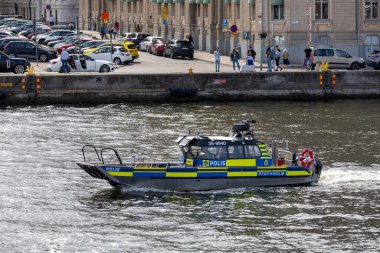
(200, 184)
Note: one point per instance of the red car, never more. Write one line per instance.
(157, 47)
(82, 40)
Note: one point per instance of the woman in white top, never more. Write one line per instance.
(217, 59)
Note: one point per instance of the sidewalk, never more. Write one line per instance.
(208, 57)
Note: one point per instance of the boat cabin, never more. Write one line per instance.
(215, 151)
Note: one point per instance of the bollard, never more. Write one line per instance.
(190, 70)
(31, 81)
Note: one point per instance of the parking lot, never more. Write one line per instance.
(148, 64)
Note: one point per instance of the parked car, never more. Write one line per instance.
(5, 41)
(130, 46)
(182, 48)
(52, 34)
(52, 41)
(70, 43)
(12, 64)
(28, 49)
(157, 47)
(139, 37)
(119, 55)
(81, 63)
(145, 44)
(337, 58)
(91, 44)
(373, 59)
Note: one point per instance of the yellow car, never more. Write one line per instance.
(130, 46)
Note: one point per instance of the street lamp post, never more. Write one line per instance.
(30, 9)
(262, 37)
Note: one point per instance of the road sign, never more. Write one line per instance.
(234, 28)
(105, 15)
(105, 21)
(233, 33)
(225, 22)
(247, 35)
(164, 16)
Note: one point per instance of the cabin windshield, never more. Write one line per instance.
(209, 152)
(224, 152)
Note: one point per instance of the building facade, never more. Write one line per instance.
(352, 25)
(64, 11)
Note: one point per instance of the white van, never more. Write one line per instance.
(337, 58)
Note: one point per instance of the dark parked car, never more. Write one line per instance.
(5, 41)
(15, 65)
(373, 59)
(27, 49)
(182, 48)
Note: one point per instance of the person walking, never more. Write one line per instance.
(102, 32)
(268, 53)
(71, 26)
(308, 52)
(51, 20)
(278, 57)
(285, 59)
(217, 59)
(235, 57)
(115, 29)
(64, 57)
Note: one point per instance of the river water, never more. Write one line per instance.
(48, 204)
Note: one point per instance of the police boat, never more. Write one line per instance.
(213, 163)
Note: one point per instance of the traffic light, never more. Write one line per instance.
(262, 35)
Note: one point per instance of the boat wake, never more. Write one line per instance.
(340, 174)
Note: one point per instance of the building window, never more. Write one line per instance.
(205, 10)
(278, 40)
(237, 11)
(172, 7)
(182, 9)
(227, 10)
(321, 9)
(278, 12)
(198, 10)
(252, 12)
(371, 9)
(322, 40)
(371, 42)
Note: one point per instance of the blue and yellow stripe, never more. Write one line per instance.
(208, 172)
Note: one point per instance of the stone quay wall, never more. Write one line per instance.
(123, 88)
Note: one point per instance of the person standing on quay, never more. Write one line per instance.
(285, 58)
(190, 38)
(251, 52)
(51, 20)
(235, 57)
(217, 59)
(64, 57)
(308, 52)
(268, 53)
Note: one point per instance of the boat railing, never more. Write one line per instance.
(115, 152)
(100, 157)
(90, 146)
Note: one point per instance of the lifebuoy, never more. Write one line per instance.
(308, 160)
